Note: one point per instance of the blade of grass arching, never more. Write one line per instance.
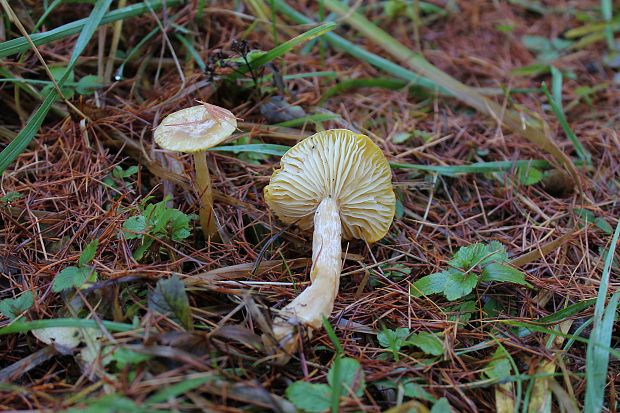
(380, 82)
(318, 117)
(118, 75)
(25, 136)
(475, 168)
(517, 122)
(192, 51)
(361, 53)
(582, 152)
(284, 48)
(20, 44)
(597, 359)
(556, 86)
(25, 326)
(46, 13)
(258, 148)
(607, 12)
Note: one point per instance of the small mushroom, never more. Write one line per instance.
(195, 130)
(340, 183)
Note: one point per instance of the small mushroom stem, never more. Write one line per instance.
(316, 301)
(203, 185)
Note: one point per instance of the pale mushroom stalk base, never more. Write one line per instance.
(203, 185)
(316, 301)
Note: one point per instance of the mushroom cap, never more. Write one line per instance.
(195, 129)
(341, 164)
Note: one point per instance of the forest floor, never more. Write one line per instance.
(507, 187)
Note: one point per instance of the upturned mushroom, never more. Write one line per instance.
(340, 183)
(195, 130)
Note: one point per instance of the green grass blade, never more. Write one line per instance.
(475, 168)
(25, 136)
(25, 326)
(361, 53)
(192, 51)
(582, 152)
(517, 122)
(20, 44)
(318, 117)
(597, 359)
(284, 48)
(259, 148)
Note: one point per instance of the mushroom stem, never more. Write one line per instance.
(316, 301)
(203, 185)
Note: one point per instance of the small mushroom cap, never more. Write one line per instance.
(195, 129)
(340, 164)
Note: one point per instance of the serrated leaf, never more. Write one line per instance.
(179, 223)
(393, 338)
(309, 397)
(134, 227)
(459, 285)
(430, 284)
(11, 308)
(169, 298)
(72, 277)
(347, 373)
(427, 342)
(462, 312)
(89, 252)
(466, 257)
(495, 252)
(502, 273)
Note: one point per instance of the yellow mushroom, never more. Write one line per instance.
(339, 183)
(195, 130)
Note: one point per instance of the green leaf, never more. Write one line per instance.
(603, 225)
(72, 277)
(89, 252)
(459, 285)
(441, 406)
(536, 43)
(467, 257)
(401, 137)
(529, 176)
(393, 338)
(179, 224)
(309, 397)
(169, 298)
(462, 312)
(499, 368)
(134, 227)
(259, 148)
(126, 357)
(427, 342)
(430, 284)
(411, 389)
(108, 404)
(11, 308)
(347, 373)
(88, 84)
(503, 273)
